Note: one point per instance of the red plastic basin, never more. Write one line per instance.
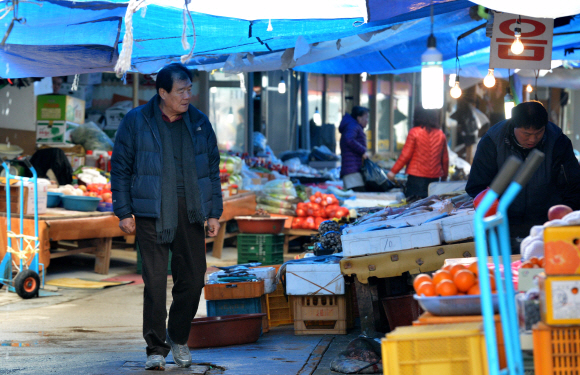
(226, 330)
(260, 225)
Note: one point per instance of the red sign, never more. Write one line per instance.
(536, 36)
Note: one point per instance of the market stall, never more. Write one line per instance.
(94, 232)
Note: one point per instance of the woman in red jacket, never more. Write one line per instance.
(424, 154)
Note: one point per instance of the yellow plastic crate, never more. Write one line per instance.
(435, 349)
(279, 309)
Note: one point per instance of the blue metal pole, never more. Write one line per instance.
(485, 285)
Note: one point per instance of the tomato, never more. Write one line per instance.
(309, 223)
(342, 212)
(297, 223)
(312, 198)
(318, 220)
(492, 210)
(301, 206)
(300, 212)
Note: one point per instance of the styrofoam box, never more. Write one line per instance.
(394, 222)
(389, 240)
(268, 274)
(314, 279)
(457, 227)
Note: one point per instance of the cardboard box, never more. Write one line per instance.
(526, 278)
(560, 299)
(87, 79)
(115, 114)
(55, 133)
(60, 108)
(83, 92)
(562, 250)
(28, 197)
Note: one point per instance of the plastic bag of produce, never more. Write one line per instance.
(260, 142)
(91, 137)
(323, 153)
(274, 202)
(274, 210)
(375, 177)
(284, 187)
(232, 164)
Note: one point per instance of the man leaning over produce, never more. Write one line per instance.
(166, 185)
(557, 180)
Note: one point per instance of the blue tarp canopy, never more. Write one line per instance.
(61, 37)
(58, 37)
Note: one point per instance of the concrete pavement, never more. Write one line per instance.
(99, 332)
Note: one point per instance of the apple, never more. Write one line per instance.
(558, 212)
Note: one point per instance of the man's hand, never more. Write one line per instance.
(213, 226)
(365, 155)
(391, 176)
(127, 225)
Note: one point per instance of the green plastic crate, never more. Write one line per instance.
(140, 264)
(264, 248)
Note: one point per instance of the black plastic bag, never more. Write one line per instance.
(375, 178)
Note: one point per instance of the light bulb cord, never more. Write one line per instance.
(431, 17)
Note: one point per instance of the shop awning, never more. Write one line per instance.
(58, 37)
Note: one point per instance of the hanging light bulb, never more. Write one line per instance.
(452, 77)
(455, 91)
(230, 118)
(508, 104)
(529, 88)
(489, 80)
(282, 86)
(432, 79)
(363, 76)
(264, 79)
(517, 45)
(316, 117)
(213, 89)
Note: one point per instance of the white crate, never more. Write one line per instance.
(389, 240)
(457, 227)
(314, 279)
(393, 222)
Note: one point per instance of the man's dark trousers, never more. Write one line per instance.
(188, 268)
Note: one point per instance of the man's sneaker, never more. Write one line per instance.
(155, 362)
(181, 354)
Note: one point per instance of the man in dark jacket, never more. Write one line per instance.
(165, 183)
(557, 180)
(353, 147)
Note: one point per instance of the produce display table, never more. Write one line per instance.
(291, 234)
(94, 232)
(242, 204)
(393, 264)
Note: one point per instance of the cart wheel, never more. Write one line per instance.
(27, 284)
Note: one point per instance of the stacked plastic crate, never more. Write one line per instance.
(267, 249)
(318, 298)
(557, 336)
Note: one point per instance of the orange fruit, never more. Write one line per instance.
(527, 264)
(440, 276)
(455, 268)
(542, 262)
(446, 288)
(464, 280)
(474, 290)
(535, 260)
(492, 282)
(447, 267)
(562, 258)
(426, 289)
(422, 277)
(473, 268)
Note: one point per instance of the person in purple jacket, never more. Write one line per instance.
(353, 146)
